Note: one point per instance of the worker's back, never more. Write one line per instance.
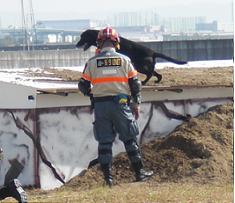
(109, 72)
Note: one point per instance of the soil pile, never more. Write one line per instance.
(194, 77)
(199, 150)
(170, 76)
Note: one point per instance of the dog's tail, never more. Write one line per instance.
(158, 55)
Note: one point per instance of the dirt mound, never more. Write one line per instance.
(171, 76)
(200, 150)
(196, 76)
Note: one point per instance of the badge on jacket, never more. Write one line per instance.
(107, 62)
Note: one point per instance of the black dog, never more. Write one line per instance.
(143, 58)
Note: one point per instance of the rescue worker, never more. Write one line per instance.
(111, 81)
(12, 187)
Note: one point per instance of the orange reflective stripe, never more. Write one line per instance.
(131, 74)
(110, 80)
(86, 77)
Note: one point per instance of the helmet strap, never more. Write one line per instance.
(117, 46)
(100, 44)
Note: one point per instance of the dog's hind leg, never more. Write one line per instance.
(148, 76)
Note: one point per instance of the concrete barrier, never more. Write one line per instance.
(64, 55)
(44, 58)
(195, 50)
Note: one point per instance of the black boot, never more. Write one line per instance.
(4, 193)
(16, 191)
(140, 173)
(107, 171)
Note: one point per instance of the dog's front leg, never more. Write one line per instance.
(158, 76)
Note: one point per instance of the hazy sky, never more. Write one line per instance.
(10, 10)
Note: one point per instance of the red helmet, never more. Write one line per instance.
(108, 33)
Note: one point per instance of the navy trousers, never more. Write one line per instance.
(112, 118)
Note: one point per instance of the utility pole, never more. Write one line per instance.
(32, 23)
(28, 28)
(24, 30)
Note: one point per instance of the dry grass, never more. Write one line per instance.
(139, 193)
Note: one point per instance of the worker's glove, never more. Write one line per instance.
(135, 110)
(1, 153)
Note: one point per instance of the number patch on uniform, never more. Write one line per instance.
(109, 62)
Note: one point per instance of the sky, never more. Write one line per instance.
(10, 10)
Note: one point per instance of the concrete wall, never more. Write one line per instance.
(189, 50)
(58, 143)
(44, 58)
(195, 50)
